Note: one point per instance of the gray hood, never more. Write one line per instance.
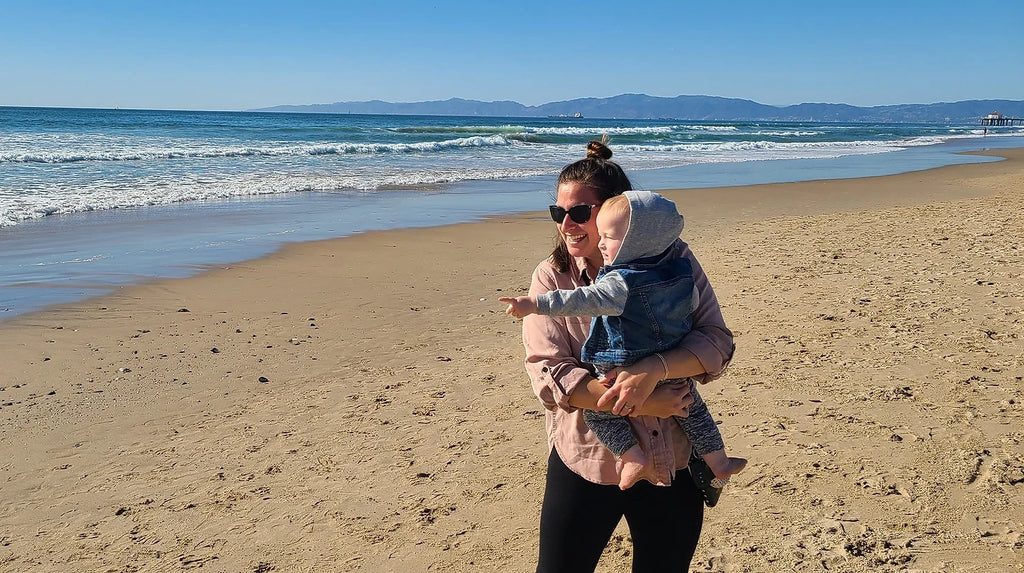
(654, 224)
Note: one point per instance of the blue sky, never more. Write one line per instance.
(230, 55)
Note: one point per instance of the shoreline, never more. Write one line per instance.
(60, 260)
(877, 390)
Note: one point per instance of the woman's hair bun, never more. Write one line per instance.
(599, 150)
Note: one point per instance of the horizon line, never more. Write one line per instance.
(456, 98)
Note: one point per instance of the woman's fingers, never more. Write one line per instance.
(669, 400)
(622, 396)
(612, 393)
(631, 391)
(683, 398)
(624, 406)
(610, 397)
(623, 399)
(618, 397)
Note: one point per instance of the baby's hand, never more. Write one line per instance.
(519, 306)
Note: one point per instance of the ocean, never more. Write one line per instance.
(91, 199)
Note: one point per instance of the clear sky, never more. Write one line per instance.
(231, 55)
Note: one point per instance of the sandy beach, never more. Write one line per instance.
(359, 404)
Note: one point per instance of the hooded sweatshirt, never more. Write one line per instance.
(643, 301)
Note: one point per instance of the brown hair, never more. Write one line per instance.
(598, 172)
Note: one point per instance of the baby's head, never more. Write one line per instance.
(612, 224)
(652, 222)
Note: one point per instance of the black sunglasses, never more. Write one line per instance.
(578, 213)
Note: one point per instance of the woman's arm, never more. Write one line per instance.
(664, 401)
(553, 348)
(636, 384)
(709, 341)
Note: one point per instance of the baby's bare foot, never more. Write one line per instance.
(734, 466)
(632, 466)
(723, 466)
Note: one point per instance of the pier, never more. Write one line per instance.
(996, 118)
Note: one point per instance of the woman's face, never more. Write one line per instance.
(580, 238)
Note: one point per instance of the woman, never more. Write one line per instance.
(582, 501)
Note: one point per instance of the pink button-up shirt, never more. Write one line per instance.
(553, 345)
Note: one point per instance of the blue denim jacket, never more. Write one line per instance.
(657, 314)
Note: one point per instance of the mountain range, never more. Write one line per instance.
(684, 107)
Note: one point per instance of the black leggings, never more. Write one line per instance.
(578, 518)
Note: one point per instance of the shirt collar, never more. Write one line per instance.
(581, 270)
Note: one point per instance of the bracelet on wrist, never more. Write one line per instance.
(663, 363)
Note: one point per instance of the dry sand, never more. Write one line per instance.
(360, 404)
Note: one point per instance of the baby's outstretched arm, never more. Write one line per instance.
(520, 306)
(606, 296)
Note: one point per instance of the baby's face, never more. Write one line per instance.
(611, 229)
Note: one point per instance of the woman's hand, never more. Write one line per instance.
(667, 400)
(632, 386)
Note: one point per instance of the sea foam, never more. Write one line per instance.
(87, 161)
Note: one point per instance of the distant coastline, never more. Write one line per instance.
(683, 107)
